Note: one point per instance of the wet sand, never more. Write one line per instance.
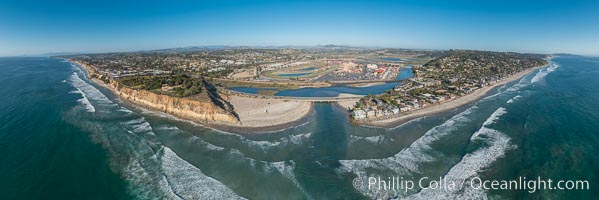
(349, 103)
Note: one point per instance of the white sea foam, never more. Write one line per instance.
(188, 182)
(185, 181)
(164, 175)
(266, 145)
(122, 109)
(154, 175)
(522, 82)
(408, 160)
(408, 122)
(135, 121)
(168, 128)
(374, 139)
(472, 163)
(263, 145)
(287, 128)
(195, 139)
(169, 116)
(88, 91)
(544, 72)
(143, 127)
(492, 119)
(286, 169)
(514, 99)
(371, 139)
(295, 139)
(299, 138)
(423, 142)
(494, 116)
(85, 101)
(380, 138)
(469, 167)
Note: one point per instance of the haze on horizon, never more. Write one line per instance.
(36, 27)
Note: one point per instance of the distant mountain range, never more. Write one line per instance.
(220, 47)
(565, 54)
(188, 49)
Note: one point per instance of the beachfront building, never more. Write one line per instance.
(359, 114)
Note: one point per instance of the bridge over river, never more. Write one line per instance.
(320, 99)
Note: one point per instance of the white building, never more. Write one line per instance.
(359, 114)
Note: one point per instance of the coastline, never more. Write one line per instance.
(265, 112)
(255, 114)
(349, 103)
(251, 111)
(445, 106)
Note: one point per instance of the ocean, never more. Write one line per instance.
(64, 137)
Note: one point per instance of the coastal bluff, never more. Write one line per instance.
(186, 108)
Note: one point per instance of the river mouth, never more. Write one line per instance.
(521, 129)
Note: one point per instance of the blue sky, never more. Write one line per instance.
(34, 27)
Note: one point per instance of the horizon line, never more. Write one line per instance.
(61, 53)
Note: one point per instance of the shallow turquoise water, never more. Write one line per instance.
(65, 138)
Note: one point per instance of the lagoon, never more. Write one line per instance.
(333, 91)
(57, 147)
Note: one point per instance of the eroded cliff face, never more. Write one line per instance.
(181, 107)
(214, 111)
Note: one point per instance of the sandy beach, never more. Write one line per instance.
(349, 103)
(254, 113)
(258, 112)
(460, 101)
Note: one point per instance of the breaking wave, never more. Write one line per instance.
(154, 171)
(514, 99)
(408, 122)
(472, 163)
(87, 89)
(494, 117)
(408, 160)
(263, 146)
(544, 72)
(85, 101)
(186, 181)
